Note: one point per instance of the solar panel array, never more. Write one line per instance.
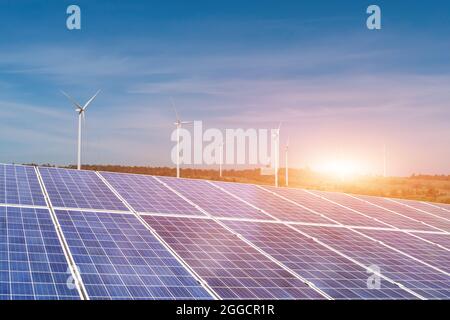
(68, 234)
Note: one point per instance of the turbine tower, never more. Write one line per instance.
(81, 116)
(220, 159)
(287, 163)
(178, 124)
(276, 141)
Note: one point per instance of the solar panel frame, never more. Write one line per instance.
(79, 189)
(19, 185)
(231, 267)
(423, 280)
(33, 264)
(118, 258)
(145, 194)
(332, 273)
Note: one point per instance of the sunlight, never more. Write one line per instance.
(343, 169)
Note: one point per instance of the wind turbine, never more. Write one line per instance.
(178, 124)
(220, 159)
(276, 141)
(286, 163)
(81, 116)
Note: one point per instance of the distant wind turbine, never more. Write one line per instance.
(220, 159)
(276, 141)
(287, 163)
(178, 124)
(81, 116)
(384, 161)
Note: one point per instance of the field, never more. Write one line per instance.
(416, 187)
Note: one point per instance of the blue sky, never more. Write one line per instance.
(338, 87)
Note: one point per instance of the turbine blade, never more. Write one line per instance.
(71, 100)
(90, 100)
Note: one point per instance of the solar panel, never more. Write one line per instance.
(146, 194)
(79, 189)
(118, 258)
(337, 276)
(437, 222)
(435, 210)
(328, 209)
(231, 267)
(213, 200)
(391, 219)
(19, 185)
(441, 239)
(414, 275)
(413, 246)
(32, 261)
(272, 204)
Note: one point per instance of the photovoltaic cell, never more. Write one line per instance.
(328, 209)
(337, 276)
(79, 189)
(435, 210)
(442, 239)
(118, 258)
(410, 212)
(146, 194)
(391, 219)
(19, 185)
(427, 252)
(213, 200)
(272, 204)
(32, 261)
(414, 275)
(231, 267)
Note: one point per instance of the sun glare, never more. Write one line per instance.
(343, 169)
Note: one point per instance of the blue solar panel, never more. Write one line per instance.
(19, 185)
(391, 219)
(213, 200)
(231, 267)
(335, 275)
(443, 239)
(146, 194)
(32, 261)
(434, 221)
(272, 204)
(79, 189)
(118, 258)
(427, 252)
(431, 208)
(328, 209)
(414, 275)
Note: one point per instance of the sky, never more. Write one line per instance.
(340, 90)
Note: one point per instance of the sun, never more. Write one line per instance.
(343, 169)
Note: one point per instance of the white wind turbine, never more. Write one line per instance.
(81, 116)
(286, 163)
(178, 124)
(220, 159)
(276, 141)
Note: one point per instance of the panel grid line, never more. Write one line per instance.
(331, 248)
(161, 240)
